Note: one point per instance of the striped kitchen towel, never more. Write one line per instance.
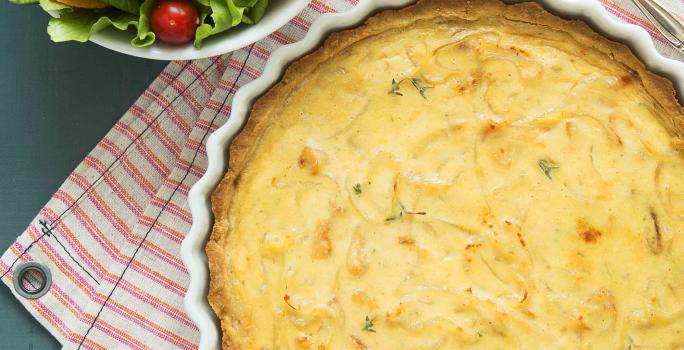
(111, 234)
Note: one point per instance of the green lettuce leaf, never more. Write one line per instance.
(220, 17)
(74, 24)
(245, 3)
(24, 2)
(145, 36)
(235, 12)
(50, 5)
(256, 12)
(203, 9)
(79, 25)
(226, 14)
(130, 6)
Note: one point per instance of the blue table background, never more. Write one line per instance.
(56, 102)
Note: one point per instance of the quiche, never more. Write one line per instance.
(456, 175)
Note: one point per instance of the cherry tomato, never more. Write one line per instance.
(174, 21)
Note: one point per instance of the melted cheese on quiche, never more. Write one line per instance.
(461, 185)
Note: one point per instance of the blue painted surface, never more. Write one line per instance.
(56, 102)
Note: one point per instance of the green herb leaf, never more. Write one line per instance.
(547, 165)
(417, 84)
(422, 89)
(402, 211)
(395, 87)
(630, 343)
(357, 189)
(399, 215)
(368, 327)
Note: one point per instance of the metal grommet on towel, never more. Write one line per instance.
(32, 280)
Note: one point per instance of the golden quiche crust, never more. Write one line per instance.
(244, 144)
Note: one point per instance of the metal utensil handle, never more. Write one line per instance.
(641, 4)
(666, 19)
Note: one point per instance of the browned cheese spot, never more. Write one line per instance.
(468, 85)
(520, 51)
(394, 314)
(460, 89)
(362, 298)
(303, 341)
(521, 239)
(407, 240)
(337, 208)
(308, 160)
(528, 313)
(489, 128)
(357, 341)
(587, 232)
(569, 129)
(473, 246)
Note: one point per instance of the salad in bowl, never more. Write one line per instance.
(173, 22)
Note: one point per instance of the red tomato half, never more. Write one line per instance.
(174, 21)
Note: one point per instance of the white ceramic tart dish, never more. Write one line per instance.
(453, 174)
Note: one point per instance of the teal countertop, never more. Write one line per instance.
(56, 102)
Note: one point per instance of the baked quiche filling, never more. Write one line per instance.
(459, 184)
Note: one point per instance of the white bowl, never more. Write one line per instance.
(278, 13)
(192, 249)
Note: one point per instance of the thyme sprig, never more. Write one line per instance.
(357, 189)
(547, 166)
(368, 326)
(402, 211)
(417, 83)
(395, 87)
